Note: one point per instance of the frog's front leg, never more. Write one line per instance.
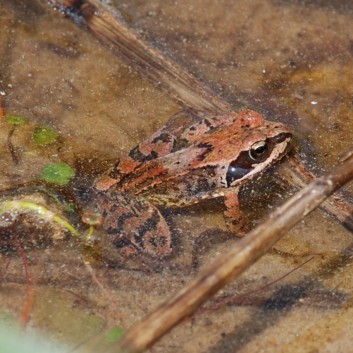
(234, 217)
(133, 225)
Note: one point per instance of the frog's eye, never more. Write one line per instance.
(258, 150)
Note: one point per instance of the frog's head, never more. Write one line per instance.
(259, 147)
(246, 147)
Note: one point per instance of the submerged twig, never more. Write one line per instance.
(11, 147)
(336, 206)
(243, 254)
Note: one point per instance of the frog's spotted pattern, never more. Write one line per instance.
(180, 165)
(133, 224)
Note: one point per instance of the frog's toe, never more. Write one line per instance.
(237, 226)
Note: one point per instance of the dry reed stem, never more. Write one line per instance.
(162, 72)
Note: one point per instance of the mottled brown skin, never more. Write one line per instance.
(180, 166)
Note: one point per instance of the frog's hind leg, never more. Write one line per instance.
(133, 225)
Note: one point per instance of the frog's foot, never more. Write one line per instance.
(133, 225)
(234, 218)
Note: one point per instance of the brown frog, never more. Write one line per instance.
(179, 166)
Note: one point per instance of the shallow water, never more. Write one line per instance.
(290, 60)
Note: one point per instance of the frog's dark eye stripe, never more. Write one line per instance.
(236, 173)
(247, 160)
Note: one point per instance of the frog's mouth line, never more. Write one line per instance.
(245, 166)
